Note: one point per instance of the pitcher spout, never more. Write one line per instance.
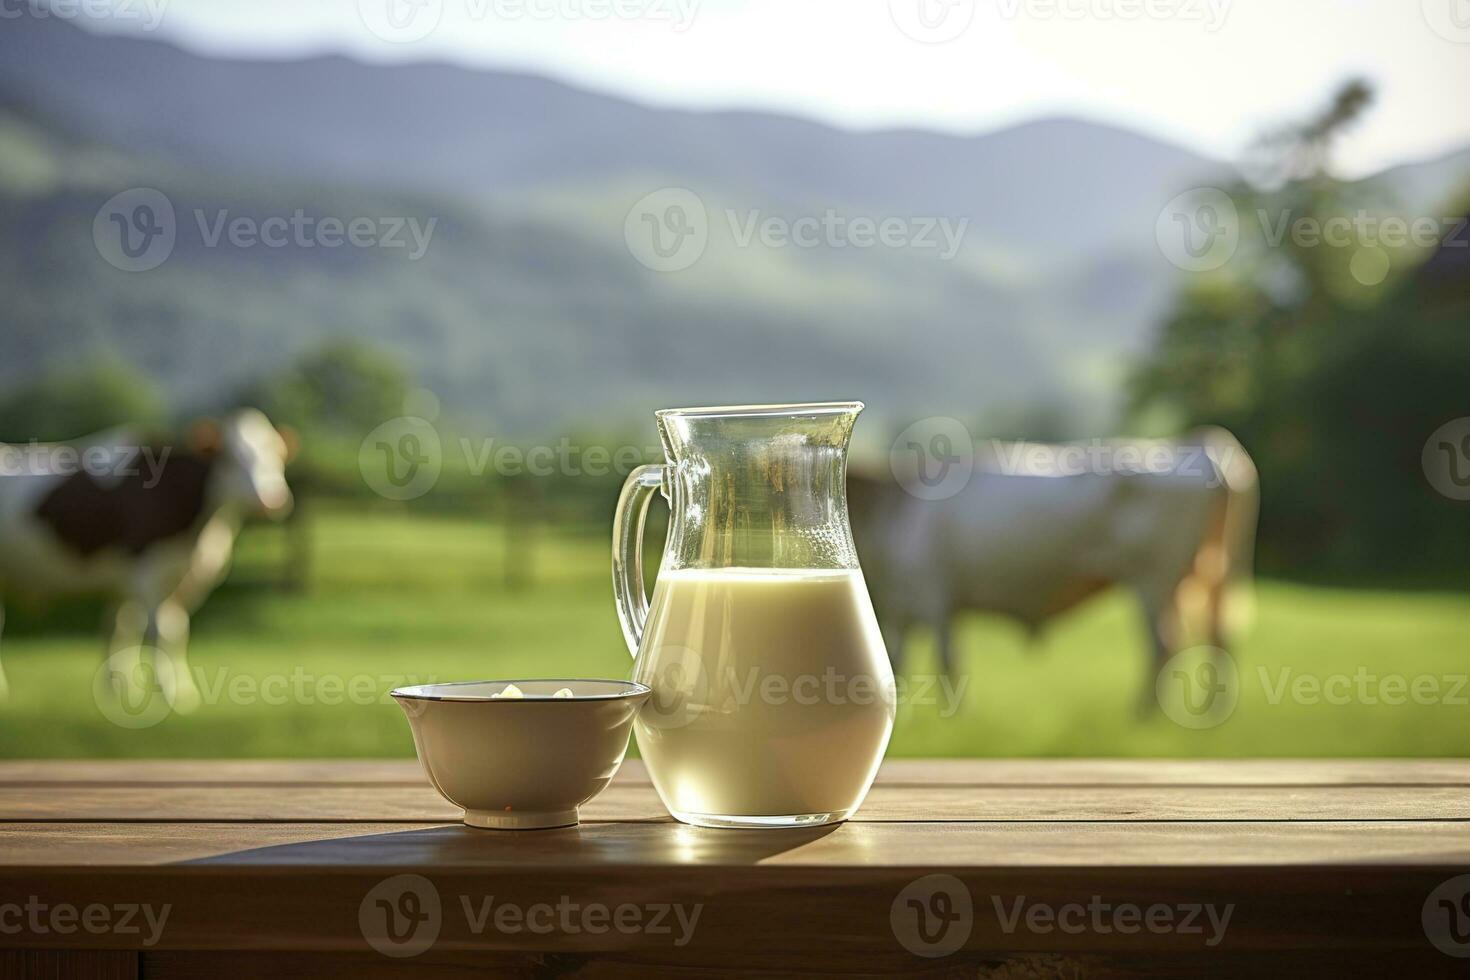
(828, 423)
(759, 485)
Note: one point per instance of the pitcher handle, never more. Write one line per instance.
(627, 551)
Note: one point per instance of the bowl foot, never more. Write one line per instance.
(520, 819)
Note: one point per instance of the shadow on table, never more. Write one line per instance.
(635, 843)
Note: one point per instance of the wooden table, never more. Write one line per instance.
(1048, 868)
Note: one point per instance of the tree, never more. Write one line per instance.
(70, 402)
(1331, 378)
(343, 387)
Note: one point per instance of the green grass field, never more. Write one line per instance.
(397, 598)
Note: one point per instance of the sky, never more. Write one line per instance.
(1207, 74)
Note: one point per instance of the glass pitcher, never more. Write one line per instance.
(773, 696)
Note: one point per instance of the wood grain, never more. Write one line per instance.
(282, 856)
(68, 964)
(1293, 964)
(788, 909)
(396, 846)
(894, 772)
(630, 801)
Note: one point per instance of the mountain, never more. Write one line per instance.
(1438, 187)
(1048, 184)
(519, 323)
(529, 310)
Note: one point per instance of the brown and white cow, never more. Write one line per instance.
(150, 528)
(1036, 530)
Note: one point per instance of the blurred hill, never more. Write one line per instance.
(527, 307)
(1046, 184)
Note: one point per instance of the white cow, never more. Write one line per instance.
(1038, 529)
(149, 528)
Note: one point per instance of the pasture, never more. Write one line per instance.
(397, 597)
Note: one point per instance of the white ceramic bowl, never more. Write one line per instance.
(521, 763)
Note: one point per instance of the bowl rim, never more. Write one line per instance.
(416, 692)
